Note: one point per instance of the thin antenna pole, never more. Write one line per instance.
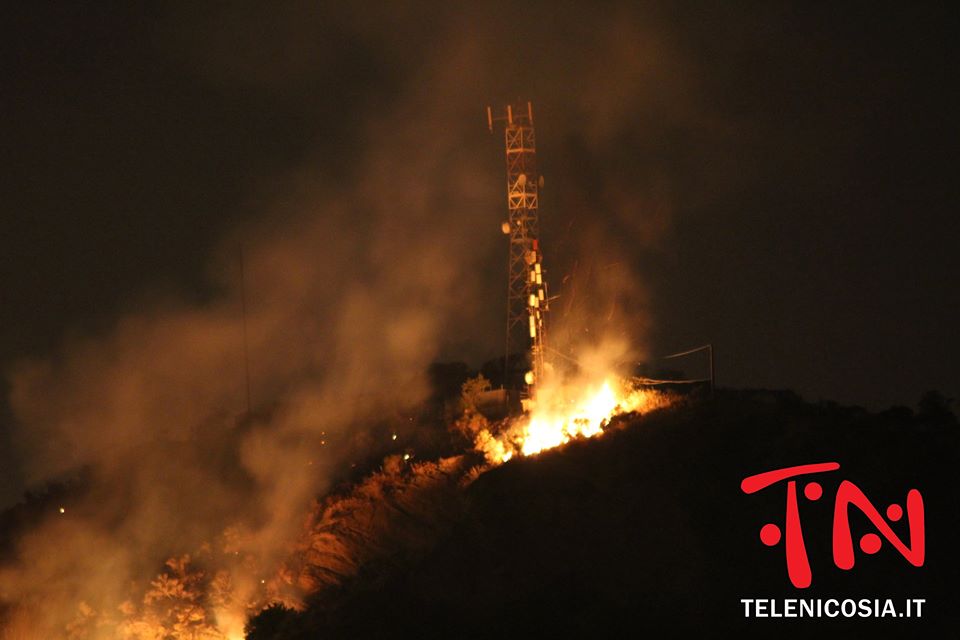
(713, 378)
(246, 348)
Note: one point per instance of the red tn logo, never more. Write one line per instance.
(848, 494)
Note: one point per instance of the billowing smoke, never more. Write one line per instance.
(358, 274)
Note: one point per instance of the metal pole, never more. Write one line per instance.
(246, 349)
(713, 379)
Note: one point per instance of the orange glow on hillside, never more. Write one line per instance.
(562, 414)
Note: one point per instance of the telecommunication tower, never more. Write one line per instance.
(527, 300)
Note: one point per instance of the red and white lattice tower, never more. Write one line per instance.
(526, 280)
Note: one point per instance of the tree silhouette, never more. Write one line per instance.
(273, 623)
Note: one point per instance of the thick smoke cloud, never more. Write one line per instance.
(359, 272)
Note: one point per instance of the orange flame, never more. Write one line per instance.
(562, 414)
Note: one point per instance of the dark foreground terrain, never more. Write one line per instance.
(646, 531)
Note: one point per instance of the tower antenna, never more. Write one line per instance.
(527, 299)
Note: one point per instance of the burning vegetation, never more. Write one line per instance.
(227, 501)
(382, 521)
(563, 413)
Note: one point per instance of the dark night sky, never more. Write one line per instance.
(804, 226)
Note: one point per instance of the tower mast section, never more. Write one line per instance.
(526, 278)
